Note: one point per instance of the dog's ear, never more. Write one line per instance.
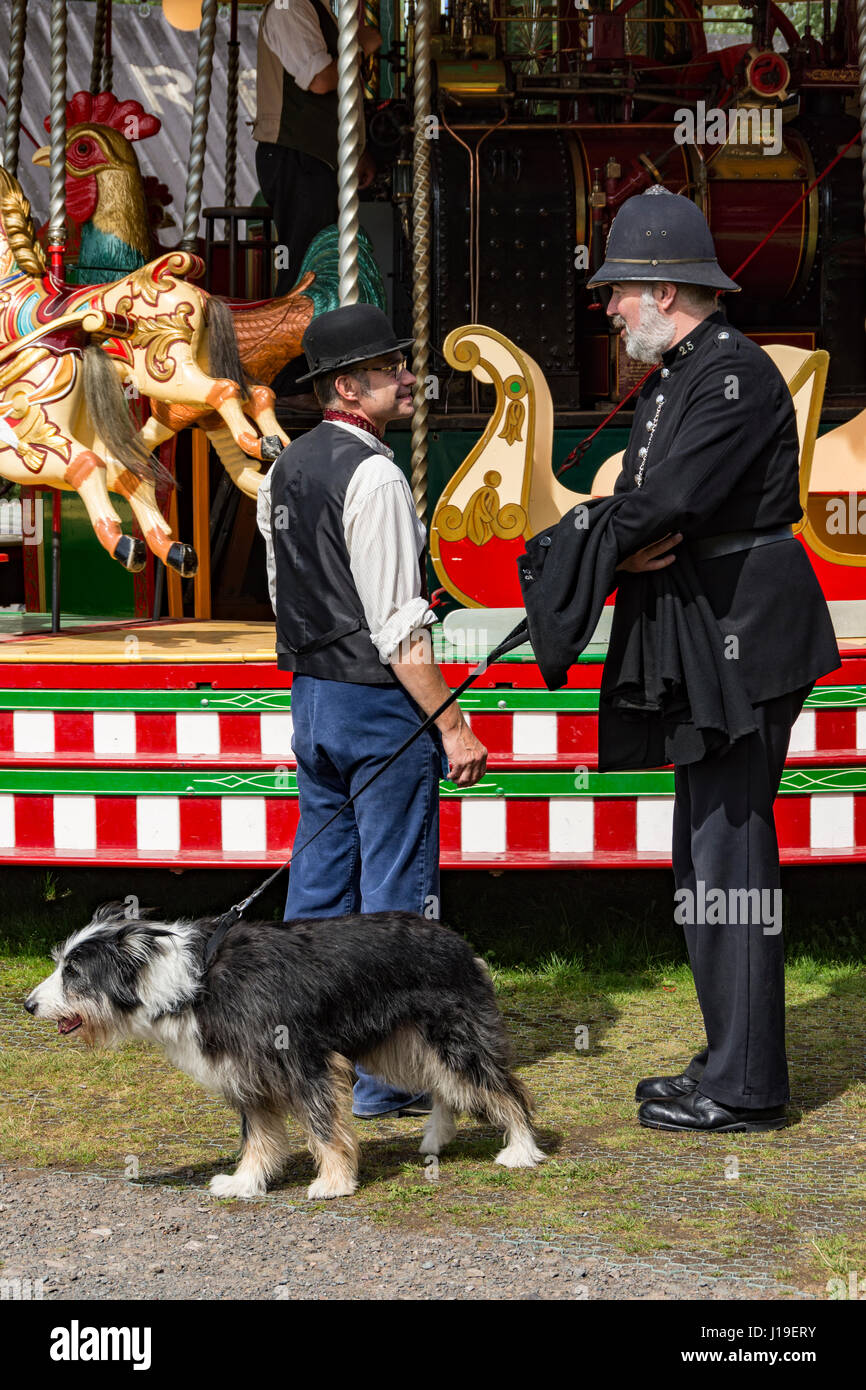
(108, 913)
(112, 913)
(141, 931)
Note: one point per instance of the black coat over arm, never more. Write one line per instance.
(695, 645)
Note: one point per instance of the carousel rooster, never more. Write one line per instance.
(113, 211)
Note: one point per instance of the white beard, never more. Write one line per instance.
(653, 335)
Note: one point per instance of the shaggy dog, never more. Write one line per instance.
(283, 1012)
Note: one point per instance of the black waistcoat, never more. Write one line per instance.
(321, 627)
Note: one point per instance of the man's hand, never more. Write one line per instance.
(467, 758)
(366, 170)
(652, 557)
(418, 672)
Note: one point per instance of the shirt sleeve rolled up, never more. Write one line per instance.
(293, 33)
(384, 542)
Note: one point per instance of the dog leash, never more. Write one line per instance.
(515, 638)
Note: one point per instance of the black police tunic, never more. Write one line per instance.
(723, 457)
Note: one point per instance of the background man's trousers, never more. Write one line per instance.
(382, 854)
(302, 192)
(724, 836)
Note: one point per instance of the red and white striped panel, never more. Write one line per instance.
(125, 735)
(627, 827)
(585, 829)
(156, 826)
(207, 735)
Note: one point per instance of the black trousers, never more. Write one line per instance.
(724, 840)
(302, 192)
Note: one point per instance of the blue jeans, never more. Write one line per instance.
(383, 852)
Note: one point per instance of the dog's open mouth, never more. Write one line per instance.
(69, 1025)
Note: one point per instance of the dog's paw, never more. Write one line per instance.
(230, 1185)
(521, 1155)
(439, 1131)
(322, 1187)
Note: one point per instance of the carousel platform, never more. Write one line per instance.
(26, 638)
(169, 744)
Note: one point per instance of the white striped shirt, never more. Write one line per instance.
(292, 31)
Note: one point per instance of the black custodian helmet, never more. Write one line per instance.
(659, 235)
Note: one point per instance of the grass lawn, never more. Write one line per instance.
(595, 992)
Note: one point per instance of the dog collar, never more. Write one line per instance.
(349, 419)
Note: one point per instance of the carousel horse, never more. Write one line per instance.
(168, 339)
(269, 334)
(64, 418)
(113, 225)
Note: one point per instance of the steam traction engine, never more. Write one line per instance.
(549, 116)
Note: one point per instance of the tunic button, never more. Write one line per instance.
(649, 424)
(545, 540)
(642, 453)
(723, 336)
(660, 400)
(666, 371)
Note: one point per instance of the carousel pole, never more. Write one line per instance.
(349, 118)
(17, 36)
(191, 212)
(230, 229)
(232, 66)
(371, 13)
(198, 135)
(107, 58)
(98, 59)
(57, 235)
(421, 249)
(861, 43)
(57, 195)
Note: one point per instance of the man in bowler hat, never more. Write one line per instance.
(347, 574)
(713, 464)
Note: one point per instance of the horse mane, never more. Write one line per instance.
(19, 227)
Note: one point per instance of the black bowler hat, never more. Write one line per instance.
(659, 235)
(348, 335)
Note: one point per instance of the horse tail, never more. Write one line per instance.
(224, 358)
(109, 411)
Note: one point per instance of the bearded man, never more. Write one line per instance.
(712, 464)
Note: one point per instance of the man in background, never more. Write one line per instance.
(296, 123)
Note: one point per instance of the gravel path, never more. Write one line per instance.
(91, 1238)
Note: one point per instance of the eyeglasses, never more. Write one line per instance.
(392, 369)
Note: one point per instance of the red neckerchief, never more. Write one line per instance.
(350, 419)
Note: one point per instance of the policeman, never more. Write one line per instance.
(712, 463)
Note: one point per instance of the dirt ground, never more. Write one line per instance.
(80, 1237)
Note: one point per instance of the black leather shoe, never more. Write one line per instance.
(705, 1115)
(665, 1087)
(422, 1106)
